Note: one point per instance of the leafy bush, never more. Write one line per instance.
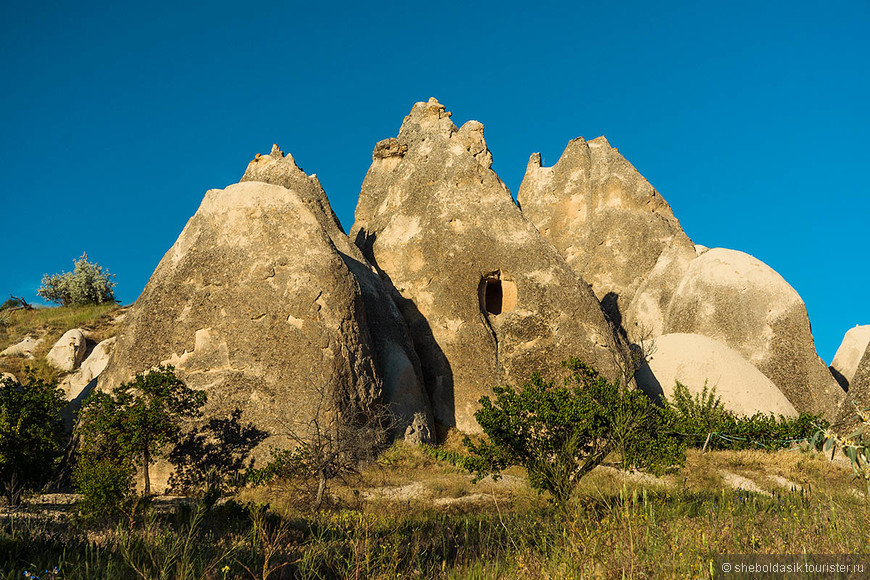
(31, 434)
(133, 425)
(560, 433)
(87, 284)
(696, 418)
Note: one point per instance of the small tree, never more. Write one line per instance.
(341, 434)
(31, 434)
(139, 420)
(561, 433)
(87, 284)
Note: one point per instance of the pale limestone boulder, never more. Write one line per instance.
(695, 360)
(845, 362)
(487, 299)
(395, 357)
(90, 370)
(608, 222)
(740, 301)
(69, 351)
(25, 348)
(254, 305)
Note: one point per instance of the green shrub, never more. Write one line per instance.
(106, 485)
(133, 425)
(696, 418)
(855, 446)
(87, 284)
(31, 434)
(559, 433)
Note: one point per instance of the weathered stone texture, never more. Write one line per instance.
(396, 359)
(486, 298)
(736, 299)
(69, 351)
(845, 362)
(608, 222)
(254, 304)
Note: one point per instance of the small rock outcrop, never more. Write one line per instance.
(608, 222)
(254, 305)
(740, 301)
(396, 359)
(696, 361)
(69, 351)
(487, 299)
(90, 369)
(25, 348)
(853, 347)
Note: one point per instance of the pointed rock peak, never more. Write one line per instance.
(429, 118)
(470, 135)
(534, 162)
(277, 168)
(599, 142)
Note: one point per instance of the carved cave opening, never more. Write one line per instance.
(497, 294)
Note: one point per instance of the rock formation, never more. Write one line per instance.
(608, 222)
(90, 369)
(858, 397)
(845, 362)
(486, 298)
(24, 348)
(396, 359)
(736, 299)
(69, 351)
(254, 304)
(696, 361)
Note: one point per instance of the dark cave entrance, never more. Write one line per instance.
(497, 294)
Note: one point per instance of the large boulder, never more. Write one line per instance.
(487, 299)
(697, 361)
(740, 301)
(853, 347)
(396, 359)
(69, 351)
(608, 222)
(254, 305)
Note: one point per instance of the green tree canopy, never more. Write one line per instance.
(31, 434)
(559, 433)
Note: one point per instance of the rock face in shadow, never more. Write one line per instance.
(696, 361)
(608, 222)
(395, 357)
(740, 301)
(845, 362)
(254, 305)
(486, 298)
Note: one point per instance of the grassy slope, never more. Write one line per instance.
(98, 321)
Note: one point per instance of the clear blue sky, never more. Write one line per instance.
(751, 118)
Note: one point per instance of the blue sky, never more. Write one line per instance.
(751, 118)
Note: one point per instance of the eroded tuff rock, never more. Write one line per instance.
(254, 304)
(736, 299)
(608, 222)
(486, 298)
(858, 397)
(845, 362)
(696, 361)
(69, 351)
(396, 359)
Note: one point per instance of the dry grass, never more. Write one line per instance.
(98, 322)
